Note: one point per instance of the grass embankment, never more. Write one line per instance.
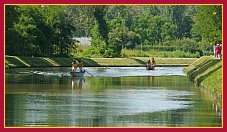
(207, 73)
(15, 61)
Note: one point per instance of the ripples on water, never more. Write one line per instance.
(117, 96)
(117, 71)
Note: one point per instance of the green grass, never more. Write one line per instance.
(22, 61)
(206, 72)
(198, 62)
(14, 61)
(202, 68)
(169, 61)
(155, 53)
(213, 83)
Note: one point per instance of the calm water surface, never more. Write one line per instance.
(114, 97)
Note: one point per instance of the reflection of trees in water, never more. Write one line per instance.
(169, 118)
(97, 108)
(100, 112)
(73, 108)
(177, 118)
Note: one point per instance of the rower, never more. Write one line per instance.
(74, 65)
(80, 65)
(153, 62)
(148, 64)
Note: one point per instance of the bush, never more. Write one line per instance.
(181, 54)
(154, 53)
(133, 53)
(89, 52)
(186, 45)
(159, 48)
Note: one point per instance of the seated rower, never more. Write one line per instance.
(153, 62)
(74, 65)
(80, 65)
(148, 64)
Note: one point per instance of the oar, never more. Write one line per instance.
(89, 73)
(63, 74)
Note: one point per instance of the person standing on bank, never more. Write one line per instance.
(215, 50)
(218, 50)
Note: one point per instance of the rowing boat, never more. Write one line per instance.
(150, 67)
(77, 73)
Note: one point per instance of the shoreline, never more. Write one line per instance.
(104, 66)
(206, 73)
(30, 62)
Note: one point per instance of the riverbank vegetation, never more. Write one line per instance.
(116, 30)
(21, 61)
(207, 73)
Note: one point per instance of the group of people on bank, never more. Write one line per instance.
(218, 50)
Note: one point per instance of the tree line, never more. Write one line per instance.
(48, 30)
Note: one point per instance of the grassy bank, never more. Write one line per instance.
(20, 61)
(207, 73)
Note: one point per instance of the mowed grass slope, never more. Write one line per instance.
(20, 61)
(207, 73)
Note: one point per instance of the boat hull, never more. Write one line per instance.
(150, 67)
(77, 74)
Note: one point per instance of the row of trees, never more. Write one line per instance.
(38, 30)
(48, 30)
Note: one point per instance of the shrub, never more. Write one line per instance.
(154, 53)
(186, 45)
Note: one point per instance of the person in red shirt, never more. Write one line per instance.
(218, 50)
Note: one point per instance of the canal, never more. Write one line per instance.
(114, 97)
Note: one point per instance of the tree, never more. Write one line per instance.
(12, 36)
(99, 14)
(82, 18)
(168, 31)
(186, 27)
(177, 16)
(63, 30)
(27, 32)
(208, 24)
(30, 27)
(97, 42)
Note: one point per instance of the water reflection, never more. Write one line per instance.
(39, 100)
(77, 82)
(104, 71)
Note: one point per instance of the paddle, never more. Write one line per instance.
(63, 74)
(89, 73)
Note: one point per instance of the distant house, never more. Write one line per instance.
(84, 41)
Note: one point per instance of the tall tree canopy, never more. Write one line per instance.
(208, 24)
(49, 30)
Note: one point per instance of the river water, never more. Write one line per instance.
(114, 97)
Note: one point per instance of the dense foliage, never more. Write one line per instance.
(49, 30)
